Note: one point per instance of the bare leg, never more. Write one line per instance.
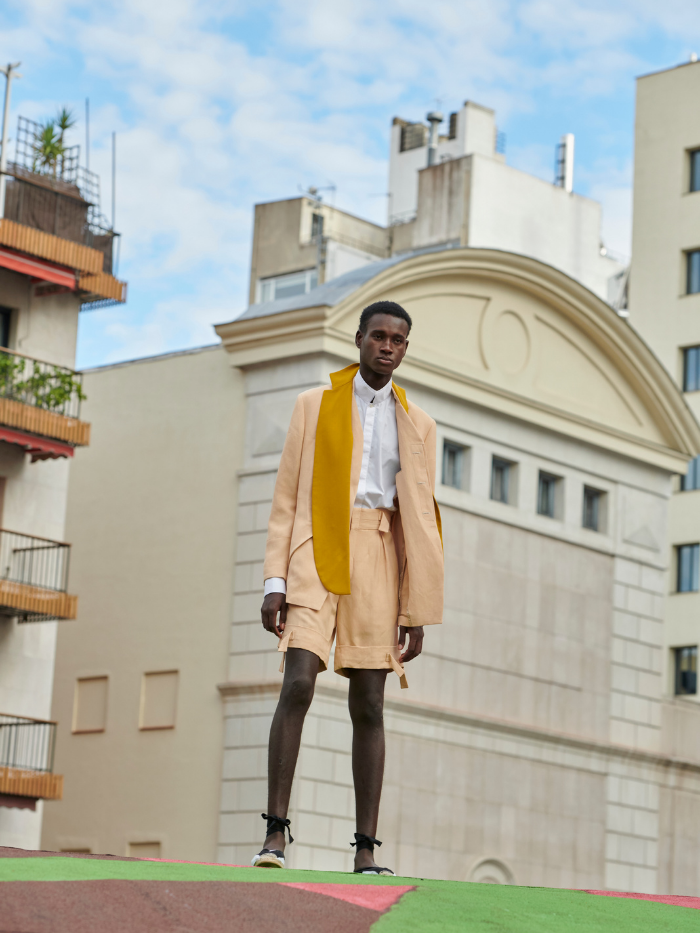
(300, 670)
(366, 703)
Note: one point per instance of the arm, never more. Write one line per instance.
(281, 525)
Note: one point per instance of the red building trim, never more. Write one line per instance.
(40, 448)
(39, 269)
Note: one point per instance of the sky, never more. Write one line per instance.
(220, 104)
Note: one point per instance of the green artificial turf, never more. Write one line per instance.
(434, 907)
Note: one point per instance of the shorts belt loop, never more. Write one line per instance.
(399, 670)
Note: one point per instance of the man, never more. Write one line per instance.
(354, 549)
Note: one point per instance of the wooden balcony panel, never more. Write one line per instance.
(47, 246)
(103, 285)
(46, 423)
(26, 598)
(39, 784)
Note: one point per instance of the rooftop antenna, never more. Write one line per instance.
(87, 134)
(114, 175)
(10, 73)
(434, 118)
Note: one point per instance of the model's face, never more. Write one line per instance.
(384, 345)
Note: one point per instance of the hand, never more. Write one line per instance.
(272, 604)
(415, 642)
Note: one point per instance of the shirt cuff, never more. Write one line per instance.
(275, 585)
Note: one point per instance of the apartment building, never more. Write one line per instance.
(664, 303)
(56, 257)
(444, 190)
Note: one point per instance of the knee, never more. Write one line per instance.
(297, 692)
(368, 712)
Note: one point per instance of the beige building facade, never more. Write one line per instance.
(538, 742)
(664, 305)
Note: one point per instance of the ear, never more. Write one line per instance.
(358, 338)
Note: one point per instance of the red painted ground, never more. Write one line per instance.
(676, 900)
(361, 894)
(183, 906)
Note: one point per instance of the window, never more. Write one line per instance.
(691, 480)
(5, 321)
(500, 480)
(688, 567)
(592, 499)
(452, 464)
(691, 369)
(158, 700)
(546, 494)
(693, 275)
(144, 849)
(686, 670)
(316, 225)
(287, 286)
(90, 704)
(695, 170)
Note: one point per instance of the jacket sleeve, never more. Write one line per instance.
(284, 500)
(405, 617)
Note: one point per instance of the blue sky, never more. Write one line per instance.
(219, 104)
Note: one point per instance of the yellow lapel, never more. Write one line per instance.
(330, 503)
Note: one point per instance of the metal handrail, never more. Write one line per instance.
(27, 744)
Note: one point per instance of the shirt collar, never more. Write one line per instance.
(367, 393)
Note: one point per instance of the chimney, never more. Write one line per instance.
(565, 163)
(434, 119)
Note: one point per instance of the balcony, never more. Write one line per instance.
(40, 406)
(34, 578)
(26, 762)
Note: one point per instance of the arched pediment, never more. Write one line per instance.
(525, 334)
(501, 331)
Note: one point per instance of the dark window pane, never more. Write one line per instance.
(688, 568)
(316, 225)
(686, 670)
(5, 319)
(591, 508)
(500, 477)
(694, 272)
(691, 480)
(691, 369)
(545, 494)
(695, 170)
(452, 461)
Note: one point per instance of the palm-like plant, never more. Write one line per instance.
(64, 121)
(48, 147)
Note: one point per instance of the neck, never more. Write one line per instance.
(374, 380)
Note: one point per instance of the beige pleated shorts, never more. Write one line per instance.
(365, 623)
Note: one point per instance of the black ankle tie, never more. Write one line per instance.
(365, 842)
(276, 824)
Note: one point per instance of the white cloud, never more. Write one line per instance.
(214, 114)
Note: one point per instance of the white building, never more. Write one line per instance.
(664, 307)
(54, 258)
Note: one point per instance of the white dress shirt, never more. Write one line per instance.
(380, 455)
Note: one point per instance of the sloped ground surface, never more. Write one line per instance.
(48, 893)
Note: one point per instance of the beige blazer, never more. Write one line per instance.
(289, 551)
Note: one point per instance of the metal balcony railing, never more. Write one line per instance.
(27, 744)
(39, 384)
(34, 578)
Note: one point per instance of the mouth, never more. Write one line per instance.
(384, 361)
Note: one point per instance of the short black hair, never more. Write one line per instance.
(384, 307)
